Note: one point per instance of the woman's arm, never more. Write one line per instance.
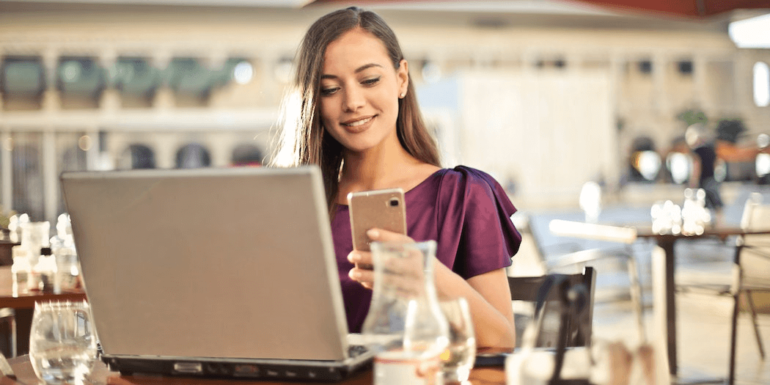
(489, 299)
(488, 295)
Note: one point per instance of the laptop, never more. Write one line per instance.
(212, 272)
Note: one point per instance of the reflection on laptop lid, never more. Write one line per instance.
(226, 272)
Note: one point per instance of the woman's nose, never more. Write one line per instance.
(353, 100)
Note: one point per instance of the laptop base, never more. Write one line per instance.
(292, 370)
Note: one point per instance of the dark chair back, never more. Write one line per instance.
(527, 289)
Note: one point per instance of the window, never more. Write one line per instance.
(137, 81)
(71, 150)
(193, 155)
(28, 175)
(137, 156)
(761, 84)
(685, 67)
(190, 80)
(645, 66)
(23, 82)
(81, 81)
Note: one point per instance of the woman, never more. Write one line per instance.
(355, 115)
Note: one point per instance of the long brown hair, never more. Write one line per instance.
(303, 138)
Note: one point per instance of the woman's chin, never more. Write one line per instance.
(360, 146)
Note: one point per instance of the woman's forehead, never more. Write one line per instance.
(353, 49)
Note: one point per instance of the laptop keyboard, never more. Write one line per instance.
(356, 350)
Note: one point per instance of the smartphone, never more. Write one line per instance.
(383, 209)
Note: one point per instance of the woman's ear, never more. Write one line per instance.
(403, 77)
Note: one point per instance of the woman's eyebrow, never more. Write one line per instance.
(359, 69)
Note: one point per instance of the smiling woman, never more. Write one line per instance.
(359, 100)
(303, 140)
(354, 113)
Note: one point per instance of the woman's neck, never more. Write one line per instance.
(377, 168)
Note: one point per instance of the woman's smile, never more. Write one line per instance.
(357, 125)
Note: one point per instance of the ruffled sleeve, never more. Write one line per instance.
(475, 231)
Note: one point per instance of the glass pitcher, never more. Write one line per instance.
(405, 323)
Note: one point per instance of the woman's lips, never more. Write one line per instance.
(358, 125)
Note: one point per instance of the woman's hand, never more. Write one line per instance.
(363, 271)
(487, 294)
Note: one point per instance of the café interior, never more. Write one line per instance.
(581, 109)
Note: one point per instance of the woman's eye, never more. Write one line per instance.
(329, 91)
(371, 82)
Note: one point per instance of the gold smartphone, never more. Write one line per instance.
(383, 209)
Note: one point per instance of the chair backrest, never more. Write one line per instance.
(755, 256)
(527, 289)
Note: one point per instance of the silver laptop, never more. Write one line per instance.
(212, 272)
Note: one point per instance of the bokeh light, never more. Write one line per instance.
(243, 72)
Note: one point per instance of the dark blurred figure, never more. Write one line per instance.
(704, 165)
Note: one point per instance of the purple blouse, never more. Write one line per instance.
(464, 210)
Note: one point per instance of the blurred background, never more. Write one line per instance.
(546, 95)
(577, 107)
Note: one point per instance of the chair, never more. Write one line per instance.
(527, 288)
(751, 268)
(624, 255)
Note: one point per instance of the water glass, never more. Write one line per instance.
(67, 272)
(459, 359)
(62, 342)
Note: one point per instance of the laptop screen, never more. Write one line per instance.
(232, 263)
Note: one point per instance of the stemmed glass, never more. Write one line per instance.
(62, 342)
(458, 361)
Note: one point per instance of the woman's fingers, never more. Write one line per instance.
(361, 259)
(363, 276)
(380, 235)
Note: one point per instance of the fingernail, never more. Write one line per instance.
(354, 257)
(373, 234)
(355, 275)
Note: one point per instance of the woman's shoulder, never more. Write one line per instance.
(465, 177)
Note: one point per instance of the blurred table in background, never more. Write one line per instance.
(664, 288)
(667, 313)
(24, 304)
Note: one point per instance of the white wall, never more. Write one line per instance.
(549, 132)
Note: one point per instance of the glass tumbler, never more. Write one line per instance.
(62, 342)
(459, 358)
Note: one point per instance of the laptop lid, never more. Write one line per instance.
(230, 263)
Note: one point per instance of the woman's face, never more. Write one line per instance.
(360, 90)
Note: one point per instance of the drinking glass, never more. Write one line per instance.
(62, 342)
(458, 360)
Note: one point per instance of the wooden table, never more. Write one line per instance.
(27, 300)
(102, 376)
(24, 303)
(666, 242)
